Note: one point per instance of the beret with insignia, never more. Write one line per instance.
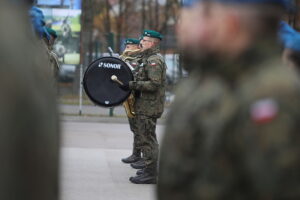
(152, 34)
(132, 41)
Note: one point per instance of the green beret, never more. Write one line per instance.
(132, 41)
(51, 32)
(153, 34)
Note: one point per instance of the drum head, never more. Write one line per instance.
(98, 84)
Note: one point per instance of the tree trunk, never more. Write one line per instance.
(150, 18)
(156, 17)
(109, 35)
(86, 43)
(143, 14)
(120, 19)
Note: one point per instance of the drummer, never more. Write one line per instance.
(149, 86)
(130, 55)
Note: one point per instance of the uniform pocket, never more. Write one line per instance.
(148, 95)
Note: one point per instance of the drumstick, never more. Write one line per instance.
(115, 78)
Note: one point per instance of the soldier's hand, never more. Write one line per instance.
(124, 87)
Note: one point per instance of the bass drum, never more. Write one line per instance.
(98, 85)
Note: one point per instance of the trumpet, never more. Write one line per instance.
(129, 103)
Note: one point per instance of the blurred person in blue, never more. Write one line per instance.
(233, 129)
(38, 23)
(47, 37)
(290, 40)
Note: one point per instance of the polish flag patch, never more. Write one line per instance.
(264, 111)
(153, 64)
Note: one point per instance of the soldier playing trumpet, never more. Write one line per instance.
(130, 56)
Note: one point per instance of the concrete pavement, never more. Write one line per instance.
(91, 110)
(98, 114)
(96, 111)
(91, 167)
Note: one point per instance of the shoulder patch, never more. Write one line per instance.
(264, 111)
(153, 64)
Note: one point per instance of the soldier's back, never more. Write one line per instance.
(229, 138)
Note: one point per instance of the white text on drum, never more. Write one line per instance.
(109, 65)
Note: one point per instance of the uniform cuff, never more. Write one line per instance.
(132, 85)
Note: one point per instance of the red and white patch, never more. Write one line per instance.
(153, 64)
(264, 111)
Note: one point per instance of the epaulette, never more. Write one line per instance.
(157, 55)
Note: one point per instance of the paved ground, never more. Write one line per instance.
(91, 110)
(90, 162)
(98, 114)
(95, 111)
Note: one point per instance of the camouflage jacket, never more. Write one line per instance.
(54, 63)
(132, 58)
(149, 84)
(234, 132)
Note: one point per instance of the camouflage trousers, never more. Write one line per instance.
(148, 142)
(136, 149)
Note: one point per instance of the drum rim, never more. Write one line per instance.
(88, 93)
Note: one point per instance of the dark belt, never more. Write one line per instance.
(137, 94)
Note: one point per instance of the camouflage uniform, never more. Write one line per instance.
(54, 62)
(132, 59)
(29, 137)
(233, 133)
(149, 87)
(52, 58)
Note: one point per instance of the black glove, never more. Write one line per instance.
(124, 87)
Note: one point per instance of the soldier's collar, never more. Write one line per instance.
(151, 51)
(231, 69)
(131, 52)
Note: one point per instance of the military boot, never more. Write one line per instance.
(139, 164)
(136, 156)
(131, 159)
(145, 178)
(140, 172)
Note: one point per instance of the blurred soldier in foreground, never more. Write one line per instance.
(130, 56)
(28, 119)
(233, 131)
(149, 87)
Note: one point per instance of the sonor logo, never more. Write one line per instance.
(109, 65)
